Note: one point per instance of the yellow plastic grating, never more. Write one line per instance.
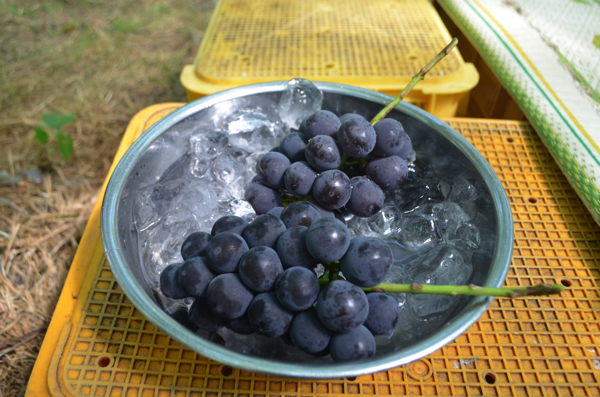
(376, 44)
(98, 344)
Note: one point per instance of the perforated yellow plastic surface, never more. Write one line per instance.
(102, 346)
(375, 44)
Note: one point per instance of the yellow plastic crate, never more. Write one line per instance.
(375, 44)
(98, 344)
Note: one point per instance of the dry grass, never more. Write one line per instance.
(102, 61)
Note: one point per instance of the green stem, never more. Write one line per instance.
(413, 82)
(504, 292)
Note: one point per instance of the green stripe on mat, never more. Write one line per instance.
(588, 191)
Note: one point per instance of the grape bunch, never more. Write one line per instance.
(261, 277)
(338, 161)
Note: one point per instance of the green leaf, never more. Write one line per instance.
(41, 135)
(13, 10)
(65, 145)
(56, 120)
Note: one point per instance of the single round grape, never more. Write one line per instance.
(270, 169)
(169, 282)
(323, 153)
(225, 251)
(227, 296)
(195, 245)
(268, 317)
(383, 314)
(299, 179)
(297, 288)
(264, 231)
(182, 316)
(259, 268)
(194, 276)
(406, 147)
(262, 198)
(366, 199)
(357, 137)
(299, 213)
(390, 137)
(231, 223)
(390, 173)
(332, 189)
(293, 146)
(349, 116)
(322, 122)
(240, 325)
(342, 306)
(203, 317)
(308, 332)
(357, 344)
(327, 239)
(292, 250)
(367, 262)
(276, 211)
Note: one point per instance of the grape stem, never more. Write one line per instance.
(413, 82)
(504, 292)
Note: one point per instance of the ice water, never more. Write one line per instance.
(432, 224)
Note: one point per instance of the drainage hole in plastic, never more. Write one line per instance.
(566, 282)
(490, 377)
(226, 370)
(532, 200)
(351, 378)
(103, 362)
(510, 139)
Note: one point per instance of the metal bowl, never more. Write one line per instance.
(430, 136)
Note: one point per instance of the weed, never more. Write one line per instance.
(54, 122)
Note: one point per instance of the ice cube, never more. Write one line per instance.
(300, 99)
(419, 233)
(145, 214)
(209, 144)
(387, 223)
(242, 208)
(228, 170)
(198, 198)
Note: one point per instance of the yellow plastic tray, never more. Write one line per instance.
(375, 44)
(98, 344)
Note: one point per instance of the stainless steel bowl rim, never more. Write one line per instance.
(423, 347)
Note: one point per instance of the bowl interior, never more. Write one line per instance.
(438, 147)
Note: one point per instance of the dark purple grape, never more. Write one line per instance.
(323, 153)
(195, 245)
(270, 169)
(259, 268)
(227, 296)
(327, 239)
(332, 189)
(390, 137)
(194, 276)
(292, 250)
(182, 316)
(366, 199)
(308, 332)
(297, 288)
(276, 211)
(357, 344)
(268, 317)
(390, 173)
(240, 325)
(233, 224)
(299, 213)
(203, 317)
(406, 147)
(342, 306)
(349, 116)
(293, 146)
(262, 198)
(225, 251)
(299, 179)
(325, 213)
(367, 262)
(357, 137)
(264, 231)
(383, 314)
(322, 122)
(169, 282)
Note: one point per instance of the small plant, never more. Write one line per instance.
(53, 122)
